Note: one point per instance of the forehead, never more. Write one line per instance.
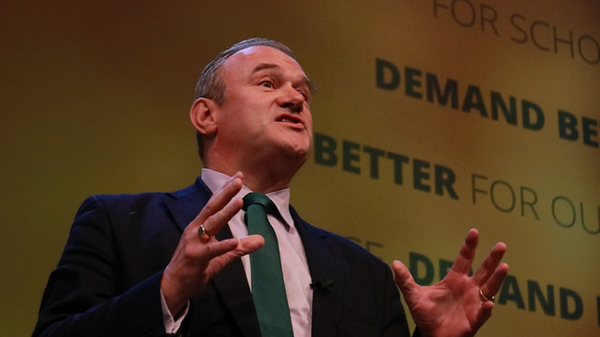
(252, 59)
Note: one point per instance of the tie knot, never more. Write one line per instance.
(256, 198)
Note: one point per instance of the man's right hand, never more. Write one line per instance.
(198, 258)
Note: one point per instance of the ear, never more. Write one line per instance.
(202, 115)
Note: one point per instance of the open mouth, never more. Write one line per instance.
(289, 119)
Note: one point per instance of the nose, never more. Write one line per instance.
(291, 99)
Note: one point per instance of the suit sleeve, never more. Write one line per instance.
(85, 295)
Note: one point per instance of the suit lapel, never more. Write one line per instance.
(234, 289)
(184, 206)
(326, 270)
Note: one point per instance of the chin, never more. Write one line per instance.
(298, 153)
(301, 149)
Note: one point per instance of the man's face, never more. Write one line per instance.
(265, 112)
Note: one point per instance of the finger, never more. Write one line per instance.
(493, 284)
(214, 223)
(220, 201)
(223, 196)
(217, 248)
(489, 264)
(464, 260)
(404, 279)
(250, 244)
(244, 246)
(484, 313)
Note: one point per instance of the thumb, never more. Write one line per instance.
(250, 244)
(403, 278)
(244, 246)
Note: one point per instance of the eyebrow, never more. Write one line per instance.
(263, 66)
(305, 81)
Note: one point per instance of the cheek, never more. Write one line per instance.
(309, 123)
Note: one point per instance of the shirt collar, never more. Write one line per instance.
(214, 180)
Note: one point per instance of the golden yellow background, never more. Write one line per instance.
(94, 98)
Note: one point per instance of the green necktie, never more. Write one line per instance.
(268, 289)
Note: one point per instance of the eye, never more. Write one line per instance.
(305, 94)
(267, 84)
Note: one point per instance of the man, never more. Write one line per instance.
(177, 263)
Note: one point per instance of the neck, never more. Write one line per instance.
(264, 177)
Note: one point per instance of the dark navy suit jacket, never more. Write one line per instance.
(107, 282)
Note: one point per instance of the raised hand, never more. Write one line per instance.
(459, 304)
(199, 256)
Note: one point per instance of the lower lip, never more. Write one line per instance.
(292, 124)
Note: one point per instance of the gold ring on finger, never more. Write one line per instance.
(485, 298)
(202, 232)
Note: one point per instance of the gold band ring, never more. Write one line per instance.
(485, 298)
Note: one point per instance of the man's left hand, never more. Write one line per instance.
(459, 304)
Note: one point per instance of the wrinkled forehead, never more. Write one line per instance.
(249, 58)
